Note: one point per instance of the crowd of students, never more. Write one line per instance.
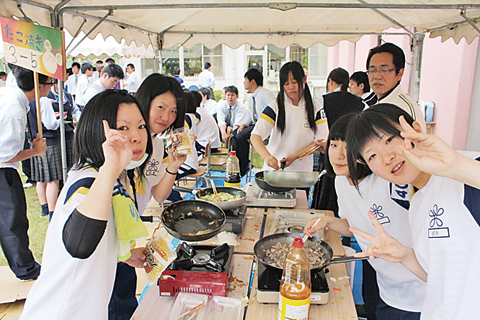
(409, 198)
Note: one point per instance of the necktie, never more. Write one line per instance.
(254, 110)
(229, 117)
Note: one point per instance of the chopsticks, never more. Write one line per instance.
(216, 196)
(309, 152)
(305, 237)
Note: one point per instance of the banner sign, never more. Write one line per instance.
(34, 47)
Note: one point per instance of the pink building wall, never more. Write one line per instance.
(447, 78)
(447, 74)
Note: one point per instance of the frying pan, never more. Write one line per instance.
(260, 181)
(185, 219)
(317, 244)
(225, 205)
(294, 179)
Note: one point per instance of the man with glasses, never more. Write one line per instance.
(13, 216)
(385, 67)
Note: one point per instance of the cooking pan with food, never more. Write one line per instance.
(231, 197)
(271, 251)
(294, 179)
(261, 183)
(193, 220)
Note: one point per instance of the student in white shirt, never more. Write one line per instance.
(132, 82)
(359, 84)
(294, 121)
(401, 292)
(206, 79)
(209, 105)
(82, 84)
(110, 76)
(95, 221)
(72, 80)
(444, 213)
(231, 114)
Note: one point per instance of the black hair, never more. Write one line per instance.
(197, 97)
(231, 89)
(110, 61)
(254, 74)
(337, 132)
(204, 91)
(24, 78)
(340, 76)
(76, 64)
(131, 66)
(2, 73)
(99, 61)
(153, 86)
(113, 70)
(207, 65)
(191, 107)
(361, 77)
(176, 71)
(298, 74)
(369, 124)
(394, 50)
(89, 133)
(86, 66)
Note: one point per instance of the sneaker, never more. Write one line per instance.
(28, 185)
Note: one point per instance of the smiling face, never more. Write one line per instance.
(381, 84)
(337, 153)
(293, 89)
(163, 112)
(131, 123)
(384, 157)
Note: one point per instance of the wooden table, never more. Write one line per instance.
(340, 304)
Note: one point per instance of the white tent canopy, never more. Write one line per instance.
(103, 48)
(100, 48)
(282, 23)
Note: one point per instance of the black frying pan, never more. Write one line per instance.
(260, 181)
(320, 247)
(193, 220)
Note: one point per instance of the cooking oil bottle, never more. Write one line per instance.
(232, 176)
(295, 287)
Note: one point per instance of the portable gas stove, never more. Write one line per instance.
(257, 197)
(235, 219)
(269, 285)
(269, 278)
(197, 269)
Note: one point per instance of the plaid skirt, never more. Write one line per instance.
(49, 167)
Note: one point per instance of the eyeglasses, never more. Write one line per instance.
(51, 83)
(380, 71)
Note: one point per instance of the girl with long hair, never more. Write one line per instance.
(293, 121)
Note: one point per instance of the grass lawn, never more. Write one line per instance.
(38, 225)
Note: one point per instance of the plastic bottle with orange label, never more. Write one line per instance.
(295, 286)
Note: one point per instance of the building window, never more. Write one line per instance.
(170, 60)
(300, 55)
(214, 56)
(318, 64)
(193, 61)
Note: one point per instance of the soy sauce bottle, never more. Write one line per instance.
(295, 286)
(232, 176)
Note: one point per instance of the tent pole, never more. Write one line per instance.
(415, 71)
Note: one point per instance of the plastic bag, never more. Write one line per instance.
(160, 253)
(182, 139)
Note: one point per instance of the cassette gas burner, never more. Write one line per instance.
(197, 269)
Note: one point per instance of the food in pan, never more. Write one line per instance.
(224, 196)
(275, 256)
